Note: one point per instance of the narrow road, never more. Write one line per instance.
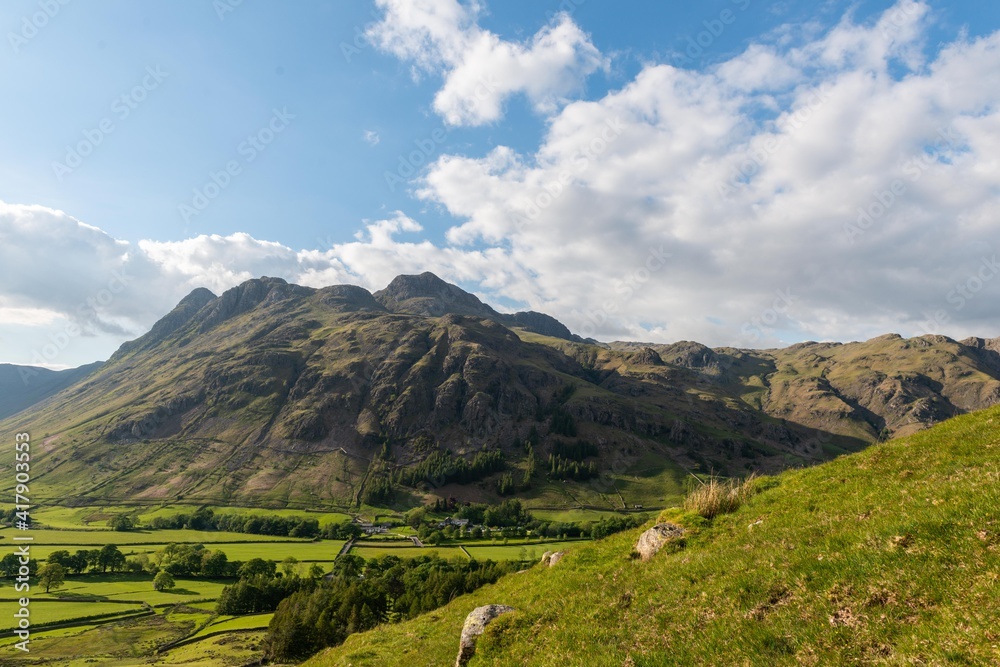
(416, 541)
(346, 548)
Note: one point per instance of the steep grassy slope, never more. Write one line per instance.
(886, 557)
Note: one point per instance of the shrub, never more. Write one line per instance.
(717, 496)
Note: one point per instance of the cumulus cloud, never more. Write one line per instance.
(855, 173)
(830, 186)
(481, 70)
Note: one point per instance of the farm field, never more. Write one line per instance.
(96, 517)
(533, 550)
(52, 612)
(231, 623)
(102, 537)
(404, 550)
(129, 587)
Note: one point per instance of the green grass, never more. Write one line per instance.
(92, 538)
(886, 557)
(571, 515)
(513, 551)
(127, 587)
(131, 644)
(322, 551)
(230, 623)
(51, 612)
(372, 550)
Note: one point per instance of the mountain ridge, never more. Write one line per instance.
(283, 394)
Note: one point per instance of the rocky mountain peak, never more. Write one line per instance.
(428, 296)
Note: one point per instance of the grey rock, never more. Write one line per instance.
(475, 625)
(550, 558)
(653, 539)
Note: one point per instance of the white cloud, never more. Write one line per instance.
(480, 69)
(800, 136)
(371, 136)
(719, 205)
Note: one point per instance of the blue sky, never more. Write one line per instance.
(125, 117)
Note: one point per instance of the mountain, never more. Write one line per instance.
(284, 395)
(21, 387)
(855, 389)
(885, 557)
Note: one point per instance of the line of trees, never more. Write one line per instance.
(361, 595)
(443, 467)
(255, 524)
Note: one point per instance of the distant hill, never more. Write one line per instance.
(24, 386)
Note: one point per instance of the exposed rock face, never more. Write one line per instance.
(429, 296)
(647, 356)
(653, 539)
(550, 558)
(541, 324)
(475, 625)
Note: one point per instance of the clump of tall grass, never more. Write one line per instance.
(719, 496)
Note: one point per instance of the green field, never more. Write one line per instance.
(128, 587)
(514, 551)
(102, 537)
(231, 623)
(375, 550)
(50, 612)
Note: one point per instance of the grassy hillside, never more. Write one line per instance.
(890, 557)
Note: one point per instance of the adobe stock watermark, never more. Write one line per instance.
(360, 41)
(627, 286)
(899, 17)
(121, 108)
(223, 7)
(567, 7)
(248, 150)
(961, 294)
(762, 324)
(408, 164)
(756, 157)
(583, 159)
(699, 44)
(885, 199)
(86, 312)
(35, 23)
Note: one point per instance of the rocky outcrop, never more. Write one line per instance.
(550, 558)
(475, 625)
(652, 540)
(540, 323)
(429, 296)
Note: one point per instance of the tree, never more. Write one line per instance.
(10, 566)
(214, 564)
(62, 557)
(289, 565)
(315, 571)
(79, 561)
(123, 523)
(257, 567)
(51, 575)
(111, 558)
(163, 581)
(415, 517)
